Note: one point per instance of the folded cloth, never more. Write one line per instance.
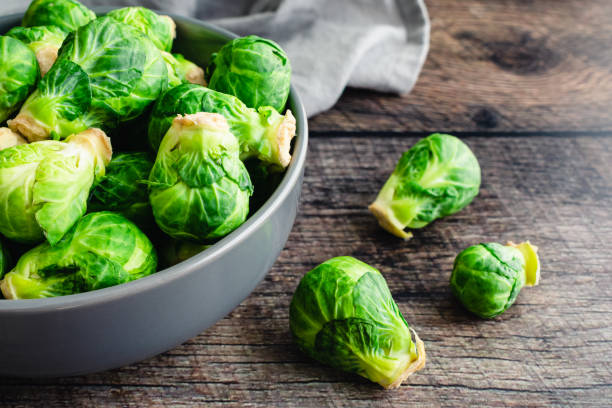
(373, 44)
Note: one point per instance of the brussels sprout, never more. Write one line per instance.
(4, 260)
(181, 70)
(188, 71)
(437, 177)
(253, 69)
(342, 314)
(265, 179)
(178, 251)
(487, 278)
(18, 74)
(103, 249)
(262, 133)
(45, 41)
(8, 138)
(65, 14)
(159, 29)
(44, 185)
(199, 188)
(106, 72)
(123, 189)
(174, 78)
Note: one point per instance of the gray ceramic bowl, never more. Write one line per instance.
(120, 325)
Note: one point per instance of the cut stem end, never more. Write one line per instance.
(387, 221)
(415, 366)
(532, 261)
(286, 132)
(8, 138)
(29, 127)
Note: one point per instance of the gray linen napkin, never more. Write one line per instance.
(374, 44)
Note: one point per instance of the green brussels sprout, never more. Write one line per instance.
(65, 14)
(178, 251)
(199, 188)
(254, 69)
(342, 314)
(4, 260)
(437, 177)
(262, 133)
(487, 278)
(44, 185)
(174, 78)
(123, 189)
(106, 72)
(188, 71)
(8, 138)
(18, 74)
(161, 30)
(265, 179)
(103, 249)
(45, 41)
(181, 70)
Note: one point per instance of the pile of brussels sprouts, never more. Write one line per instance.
(342, 313)
(114, 146)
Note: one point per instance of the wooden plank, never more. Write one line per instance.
(516, 66)
(552, 348)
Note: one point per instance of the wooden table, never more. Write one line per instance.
(528, 85)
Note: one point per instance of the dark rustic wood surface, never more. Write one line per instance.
(499, 66)
(553, 347)
(529, 86)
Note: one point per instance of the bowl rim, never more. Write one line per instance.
(196, 262)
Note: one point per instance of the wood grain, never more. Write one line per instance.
(552, 348)
(503, 65)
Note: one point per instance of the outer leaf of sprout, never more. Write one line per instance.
(161, 30)
(18, 74)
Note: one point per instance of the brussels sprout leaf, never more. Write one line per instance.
(67, 86)
(109, 56)
(18, 74)
(57, 178)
